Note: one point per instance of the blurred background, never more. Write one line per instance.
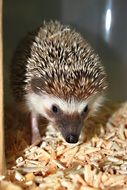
(102, 23)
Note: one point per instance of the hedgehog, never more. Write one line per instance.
(56, 74)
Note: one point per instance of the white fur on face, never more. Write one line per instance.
(40, 103)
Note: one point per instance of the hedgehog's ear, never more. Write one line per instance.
(98, 102)
(37, 84)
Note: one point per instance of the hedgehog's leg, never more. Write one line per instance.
(34, 128)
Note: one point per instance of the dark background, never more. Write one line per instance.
(88, 17)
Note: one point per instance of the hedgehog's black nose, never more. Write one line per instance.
(72, 139)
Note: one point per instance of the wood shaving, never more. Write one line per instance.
(99, 162)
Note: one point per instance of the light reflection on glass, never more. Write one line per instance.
(108, 20)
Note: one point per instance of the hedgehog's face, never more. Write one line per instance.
(68, 116)
(70, 124)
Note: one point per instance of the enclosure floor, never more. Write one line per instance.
(91, 164)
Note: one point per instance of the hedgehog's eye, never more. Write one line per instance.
(55, 109)
(85, 109)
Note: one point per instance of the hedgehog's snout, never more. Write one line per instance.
(71, 134)
(72, 138)
(70, 129)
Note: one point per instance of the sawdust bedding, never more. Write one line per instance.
(98, 161)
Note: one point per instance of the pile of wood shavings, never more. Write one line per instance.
(96, 164)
